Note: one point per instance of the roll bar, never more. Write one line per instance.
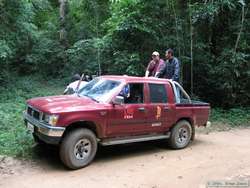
(174, 84)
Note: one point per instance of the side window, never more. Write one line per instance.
(158, 93)
(135, 94)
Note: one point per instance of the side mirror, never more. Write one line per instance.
(119, 100)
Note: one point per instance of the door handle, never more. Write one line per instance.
(165, 108)
(141, 109)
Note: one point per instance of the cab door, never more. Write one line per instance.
(159, 118)
(129, 118)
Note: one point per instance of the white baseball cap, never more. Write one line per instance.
(156, 53)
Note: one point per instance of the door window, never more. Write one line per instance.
(133, 93)
(158, 93)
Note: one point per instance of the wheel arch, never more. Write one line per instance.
(82, 124)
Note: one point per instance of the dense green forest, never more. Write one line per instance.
(56, 38)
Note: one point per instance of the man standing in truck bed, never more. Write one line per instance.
(171, 69)
(154, 65)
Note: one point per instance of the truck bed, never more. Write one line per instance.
(185, 102)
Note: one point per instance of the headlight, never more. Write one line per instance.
(51, 119)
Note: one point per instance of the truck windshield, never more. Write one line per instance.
(99, 89)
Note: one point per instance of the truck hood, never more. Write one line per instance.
(62, 103)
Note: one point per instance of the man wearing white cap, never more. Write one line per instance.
(154, 65)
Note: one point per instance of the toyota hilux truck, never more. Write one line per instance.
(112, 110)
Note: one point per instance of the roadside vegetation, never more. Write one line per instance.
(14, 139)
(234, 117)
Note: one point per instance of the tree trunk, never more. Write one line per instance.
(243, 15)
(191, 49)
(178, 39)
(63, 33)
(97, 18)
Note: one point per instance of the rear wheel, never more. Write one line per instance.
(180, 135)
(78, 148)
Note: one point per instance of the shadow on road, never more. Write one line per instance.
(48, 156)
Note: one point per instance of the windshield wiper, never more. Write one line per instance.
(91, 98)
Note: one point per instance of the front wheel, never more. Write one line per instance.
(78, 148)
(180, 135)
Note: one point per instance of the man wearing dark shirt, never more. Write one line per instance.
(171, 70)
(154, 65)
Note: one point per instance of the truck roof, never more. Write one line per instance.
(136, 79)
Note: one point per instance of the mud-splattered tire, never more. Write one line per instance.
(78, 148)
(180, 135)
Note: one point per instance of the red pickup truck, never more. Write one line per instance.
(113, 110)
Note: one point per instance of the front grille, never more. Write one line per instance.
(29, 111)
(36, 115)
(33, 113)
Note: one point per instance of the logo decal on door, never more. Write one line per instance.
(158, 112)
(128, 113)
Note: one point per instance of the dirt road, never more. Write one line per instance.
(213, 156)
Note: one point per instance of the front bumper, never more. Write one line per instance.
(45, 132)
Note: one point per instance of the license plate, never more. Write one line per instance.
(30, 127)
